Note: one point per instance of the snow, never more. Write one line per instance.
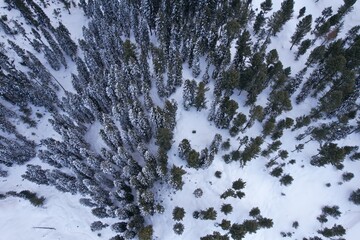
(301, 201)
(61, 211)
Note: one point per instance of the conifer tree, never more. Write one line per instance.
(304, 46)
(279, 18)
(302, 28)
(200, 99)
(266, 6)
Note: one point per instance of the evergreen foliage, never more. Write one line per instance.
(128, 65)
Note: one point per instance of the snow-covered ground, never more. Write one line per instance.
(301, 201)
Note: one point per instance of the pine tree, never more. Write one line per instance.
(355, 197)
(178, 228)
(251, 150)
(329, 153)
(200, 99)
(176, 174)
(301, 12)
(302, 28)
(279, 18)
(266, 6)
(225, 113)
(164, 138)
(304, 46)
(226, 208)
(178, 213)
(243, 49)
(146, 233)
(259, 22)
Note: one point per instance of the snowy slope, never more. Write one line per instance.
(301, 201)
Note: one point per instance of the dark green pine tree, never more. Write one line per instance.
(189, 93)
(176, 174)
(301, 12)
(243, 50)
(304, 46)
(259, 22)
(200, 99)
(225, 113)
(178, 213)
(329, 153)
(164, 138)
(355, 197)
(302, 28)
(280, 17)
(266, 6)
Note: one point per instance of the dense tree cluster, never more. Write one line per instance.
(129, 66)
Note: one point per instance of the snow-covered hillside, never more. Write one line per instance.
(111, 124)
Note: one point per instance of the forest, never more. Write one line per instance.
(166, 116)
